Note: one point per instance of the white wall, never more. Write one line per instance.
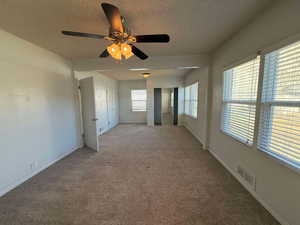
(164, 82)
(198, 126)
(38, 110)
(278, 186)
(126, 114)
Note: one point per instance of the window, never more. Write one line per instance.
(239, 100)
(279, 133)
(138, 100)
(191, 100)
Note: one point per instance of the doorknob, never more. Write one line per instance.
(95, 119)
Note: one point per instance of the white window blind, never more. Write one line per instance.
(138, 100)
(279, 132)
(191, 100)
(239, 100)
(187, 91)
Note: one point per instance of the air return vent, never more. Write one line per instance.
(247, 177)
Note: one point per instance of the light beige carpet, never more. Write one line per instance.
(167, 119)
(142, 176)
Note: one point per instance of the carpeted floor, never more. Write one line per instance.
(142, 176)
(167, 119)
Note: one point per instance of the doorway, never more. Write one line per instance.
(165, 106)
(157, 106)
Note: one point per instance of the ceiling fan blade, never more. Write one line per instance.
(80, 34)
(113, 15)
(104, 54)
(138, 52)
(153, 38)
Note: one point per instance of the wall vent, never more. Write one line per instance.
(247, 176)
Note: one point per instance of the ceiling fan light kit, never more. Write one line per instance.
(120, 35)
(118, 50)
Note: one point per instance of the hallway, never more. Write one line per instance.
(142, 176)
(167, 119)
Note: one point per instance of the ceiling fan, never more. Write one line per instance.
(120, 36)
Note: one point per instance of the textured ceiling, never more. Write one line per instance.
(195, 26)
(135, 75)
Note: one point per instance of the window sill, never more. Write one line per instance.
(235, 138)
(282, 161)
(267, 154)
(191, 117)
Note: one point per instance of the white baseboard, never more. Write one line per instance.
(193, 133)
(108, 129)
(19, 181)
(133, 122)
(252, 192)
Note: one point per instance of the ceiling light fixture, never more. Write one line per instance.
(146, 75)
(187, 67)
(120, 49)
(138, 69)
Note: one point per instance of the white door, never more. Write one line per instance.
(89, 113)
(101, 109)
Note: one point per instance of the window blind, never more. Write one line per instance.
(138, 100)
(239, 100)
(187, 91)
(191, 100)
(194, 100)
(279, 132)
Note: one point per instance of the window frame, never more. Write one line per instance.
(190, 100)
(259, 104)
(241, 102)
(131, 100)
(267, 106)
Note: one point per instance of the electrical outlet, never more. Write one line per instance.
(33, 166)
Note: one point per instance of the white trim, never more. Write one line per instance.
(258, 100)
(236, 138)
(252, 192)
(279, 159)
(133, 122)
(245, 102)
(19, 181)
(192, 132)
(191, 117)
(108, 128)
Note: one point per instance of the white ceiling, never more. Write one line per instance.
(135, 75)
(195, 26)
